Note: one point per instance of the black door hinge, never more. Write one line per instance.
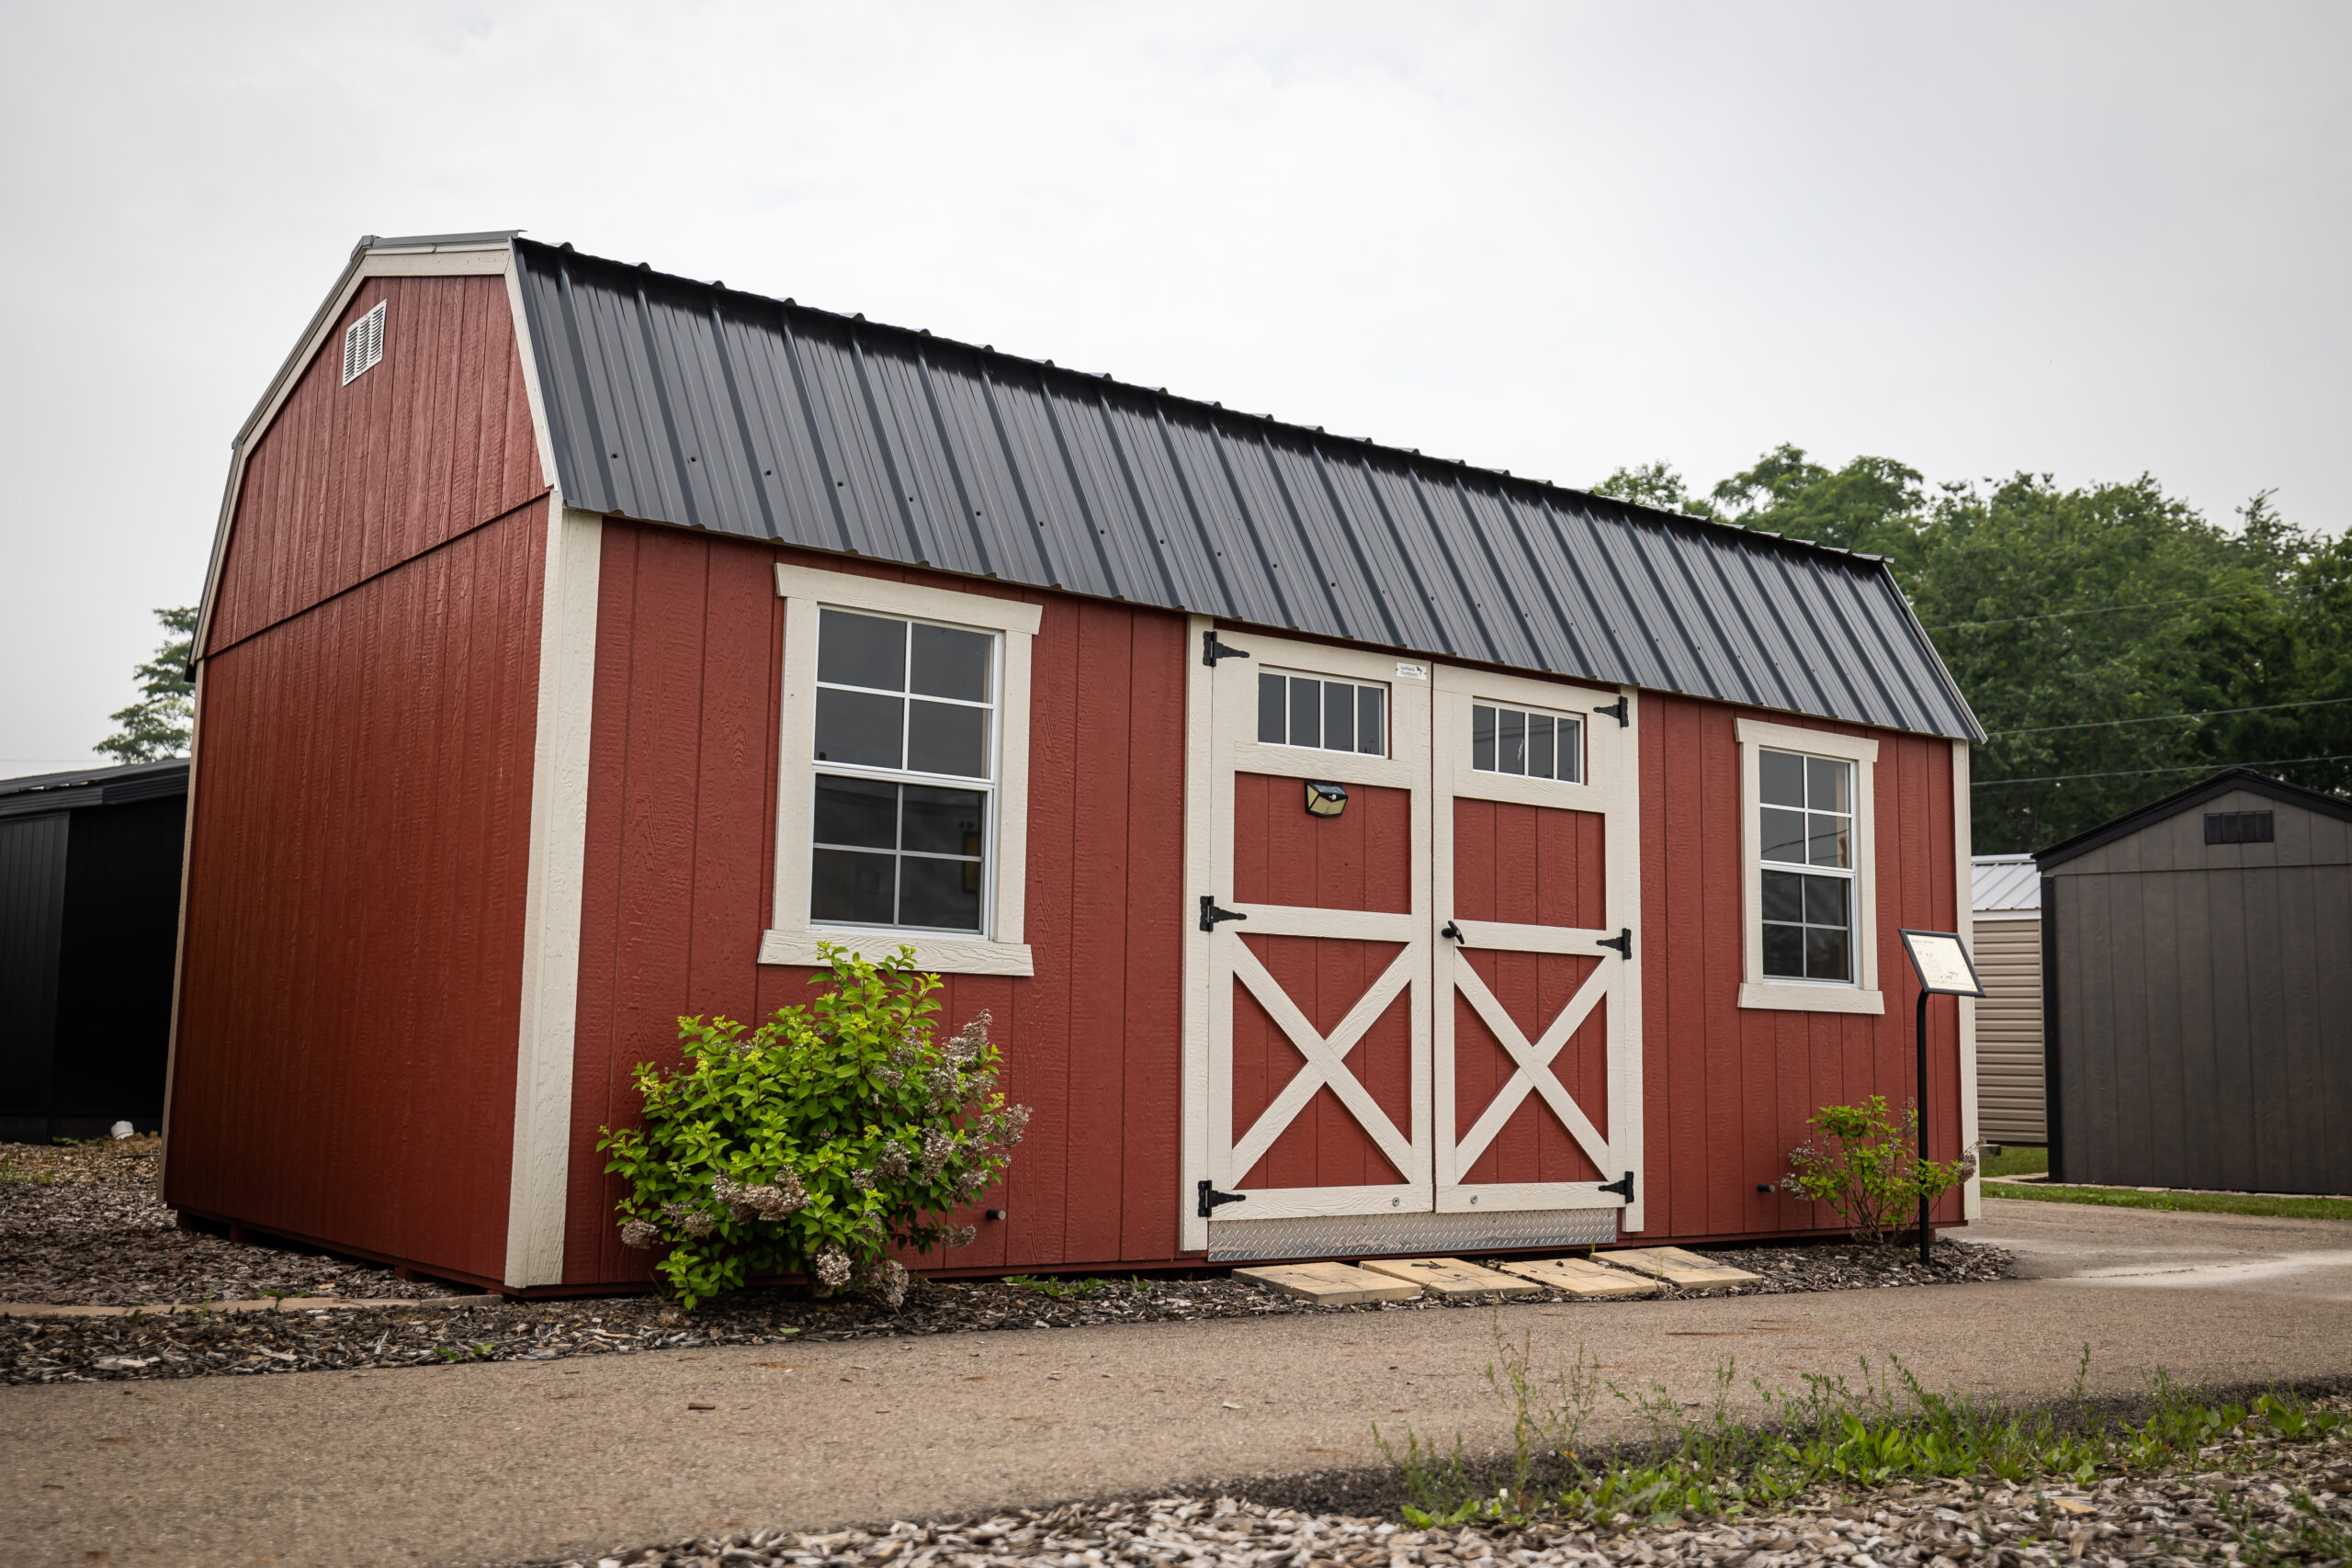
(1212, 650)
(1210, 914)
(1623, 942)
(1453, 933)
(1212, 1199)
(1624, 1188)
(1618, 711)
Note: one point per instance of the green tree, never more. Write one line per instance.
(1654, 484)
(1872, 505)
(159, 723)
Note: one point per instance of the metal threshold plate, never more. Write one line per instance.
(1356, 1235)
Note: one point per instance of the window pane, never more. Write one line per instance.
(1780, 777)
(859, 651)
(1830, 839)
(1572, 749)
(1826, 785)
(1369, 702)
(1824, 900)
(943, 740)
(1306, 712)
(1271, 725)
(1538, 745)
(846, 885)
(857, 811)
(1511, 741)
(858, 727)
(944, 822)
(1784, 835)
(939, 893)
(1784, 951)
(1783, 896)
(950, 663)
(1825, 955)
(1338, 716)
(1482, 740)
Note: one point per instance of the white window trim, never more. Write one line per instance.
(790, 938)
(1808, 995)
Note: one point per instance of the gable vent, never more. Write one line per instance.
(363, 342)
(2238, 828)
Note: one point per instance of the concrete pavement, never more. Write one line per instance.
(512, 1461)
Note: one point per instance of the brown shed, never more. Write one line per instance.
(2197, 983)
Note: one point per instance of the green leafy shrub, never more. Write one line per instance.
(1871, 1173)
(817, 1143)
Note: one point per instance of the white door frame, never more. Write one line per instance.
(1612, 789)
(1225, 961)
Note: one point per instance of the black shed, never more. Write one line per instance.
(89, 918)
(2197, 992)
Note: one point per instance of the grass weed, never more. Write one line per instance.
(2190, 1202)
(1722, 1462)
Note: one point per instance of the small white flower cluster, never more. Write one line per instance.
(963, 1236)
(832, 1268)
(780, 1195)
(892, 1164)
(885, 1278)
(640, 1233)
(938, 1147)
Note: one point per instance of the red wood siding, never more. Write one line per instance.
(1325, 1145)
(345, 1070)
(349, 481)
(1726, 1090)
(679, 868)
(1530, 865)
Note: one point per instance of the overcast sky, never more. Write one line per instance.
(2094, 239)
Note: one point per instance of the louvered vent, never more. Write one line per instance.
(363, 342)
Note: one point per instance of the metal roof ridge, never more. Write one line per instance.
(858, 319)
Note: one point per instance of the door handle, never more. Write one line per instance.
(1453, 933)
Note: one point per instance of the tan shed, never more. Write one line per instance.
(2007, 914)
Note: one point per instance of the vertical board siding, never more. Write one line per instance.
(33, 934)
(680, 870)
(351, 969)
(2203, 990)
(348, 481)
(1727, 1089)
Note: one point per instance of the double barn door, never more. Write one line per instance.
(1415, 949)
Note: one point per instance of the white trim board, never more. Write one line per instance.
(791, 937)
(1965, 871)
(1784, 996)
(541, 1174)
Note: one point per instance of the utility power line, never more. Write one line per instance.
(2159, 718)
(2099, 610)
(2139, 772)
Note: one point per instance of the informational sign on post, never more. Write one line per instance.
(1940, 959)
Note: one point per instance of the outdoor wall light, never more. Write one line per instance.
(1325, 799)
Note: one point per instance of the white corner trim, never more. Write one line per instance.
(939, 954)
(790, 938)
(179, 932)
(1964, 842)
(558, 839)
(1755, 990)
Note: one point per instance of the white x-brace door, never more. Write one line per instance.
(1338, 928)
(1515, 892)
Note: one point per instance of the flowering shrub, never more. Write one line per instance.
(818, 1142)
(1872, 1174)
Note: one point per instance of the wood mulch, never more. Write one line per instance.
(2246, 1500)
(87, 1228)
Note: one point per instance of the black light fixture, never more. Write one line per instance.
(1325, 799)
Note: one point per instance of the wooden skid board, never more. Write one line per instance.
(1451, 1277)
(1580, 1278)
(1677, 1266)
(1330, 1284)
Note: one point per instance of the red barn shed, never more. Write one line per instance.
(1360, 852)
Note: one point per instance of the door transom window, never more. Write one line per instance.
(1318, 712)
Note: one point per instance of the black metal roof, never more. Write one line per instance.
(690, 403)
(114, 786)
(2196, 795)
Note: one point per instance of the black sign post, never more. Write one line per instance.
(1941, 960)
